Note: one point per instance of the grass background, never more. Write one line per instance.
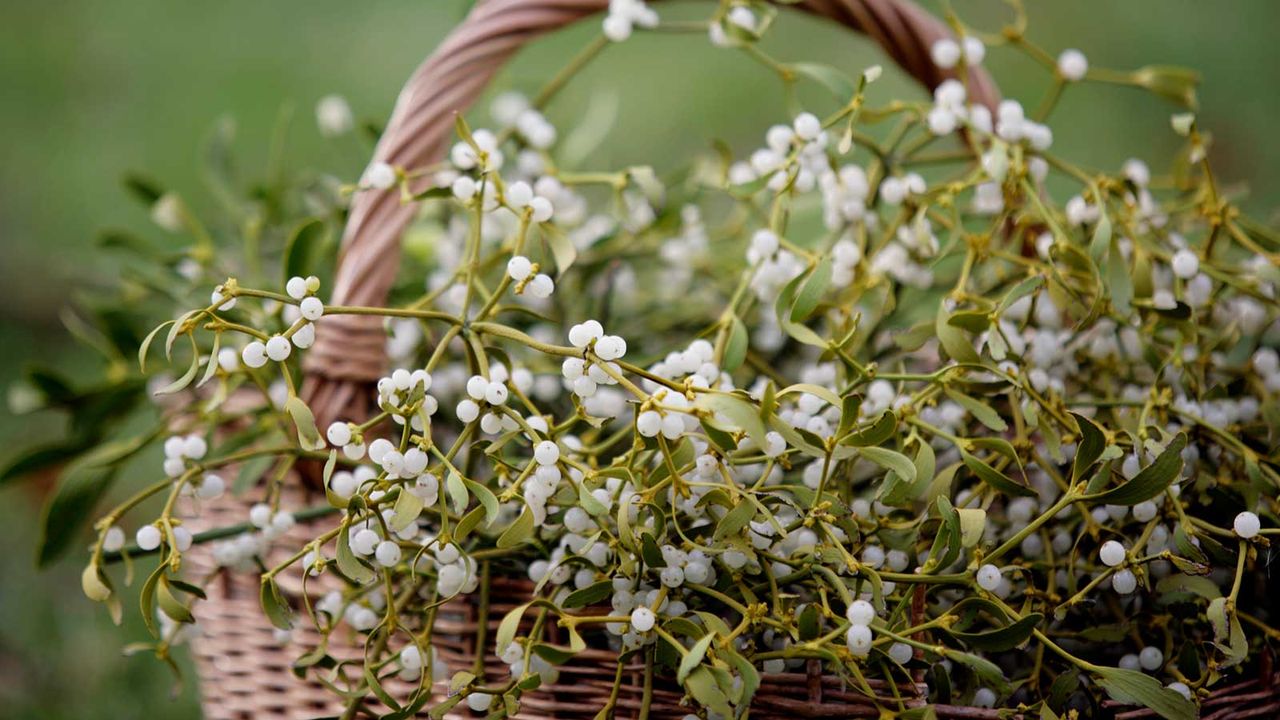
(91, 89)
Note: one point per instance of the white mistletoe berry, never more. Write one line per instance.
(148, 537)
(546, 453)
(1185, 264)
(807, 126)
(1124, 581)
(860, 612)
(411, 658)
(464, 187)
(211, 487)
(379, 449)
(610, 347)
(278, 348)
(1247, 525)
(1151, 658)
(774, 444)
(858, 639)
(380, 176)
(182, 539)
(260, 515)
(216, 298)
(945, 53)
(312, 308)
(476, 386)
(339, 433)
(1111, 553)
(984, 698)
(114, 539)
(541, 208)
(974, 50)
(541, 286)
(989, 577)
(468, 410)
(1072, 65)
(387, 553)
(254, 354)
(296, 287)
(519, 194)
(582, 334)
(519, 267)
(364, 542)
(617, 27)
(495, 393)
(334, 116)
(900, 653)
(642, 619)
(649, 423)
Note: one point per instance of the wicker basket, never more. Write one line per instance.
(246, 671)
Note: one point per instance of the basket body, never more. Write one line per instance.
(246, 671)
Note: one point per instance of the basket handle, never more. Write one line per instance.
(349, 353)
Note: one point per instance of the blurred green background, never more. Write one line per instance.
(92, 89)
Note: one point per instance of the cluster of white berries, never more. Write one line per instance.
(411, 663)
(951, 109)
(1149, 658)
(480, 153)
(774, 271)
(273, 524)
(794, 154)
(844, 197)
(858, 637)
(738, 25)
(584, 375)
(513, 110)
(624, 16)
(455, 571)
(903, 259)
(513, 655)
(149, 537)
(521, 270)
(178, 449)
(491, 394)
(519, 197)
(947, 53)
(302, 332)
(1013, 125)
(811, 413)
(894, 190)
